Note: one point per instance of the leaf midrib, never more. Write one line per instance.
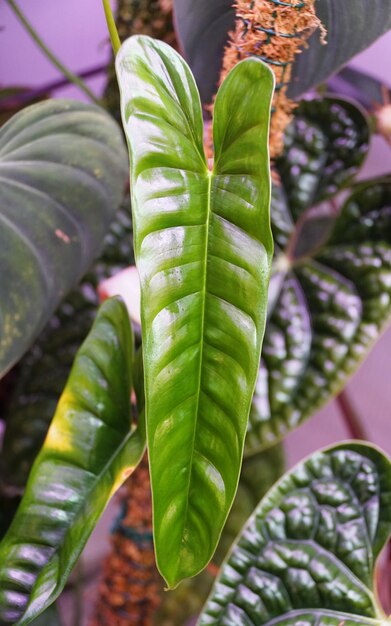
(202, 342)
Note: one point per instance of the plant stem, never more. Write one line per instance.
(351, 418)
(70, 76)
(115, 40)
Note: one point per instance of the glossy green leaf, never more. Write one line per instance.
(332, 284)
(62, 175)
(258, 475)
(43, 371)
(352, 25)
(203, 247)
(307, 555)
(90, 450)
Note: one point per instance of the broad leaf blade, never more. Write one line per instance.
(88, 453)
(43, 371)
(307, 555)
(203, 246)
(351, 27)
(258, 475)
(62, 175)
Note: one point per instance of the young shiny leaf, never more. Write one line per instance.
(89, 451)
(333, 290)
(62, 175)
(203, 248)
(306, 557)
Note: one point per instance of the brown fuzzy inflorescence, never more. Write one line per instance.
(275, 32)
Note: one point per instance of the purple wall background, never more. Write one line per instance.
(76, 31)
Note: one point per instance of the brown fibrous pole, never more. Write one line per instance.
(276, 32)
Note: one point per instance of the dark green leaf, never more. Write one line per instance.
(307, 555)
(203, 246)
(352, 26)
(202, 29)
(62, 175)
(89, 451)
(43, 371)
(332, 294)
(325, 146)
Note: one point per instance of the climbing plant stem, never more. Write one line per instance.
(70, 76)
(115, 40)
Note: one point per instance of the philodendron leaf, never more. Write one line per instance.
(203, 248)
(43, 371)
(306, 557)
(258, 475)
(325, 146)
(90, 449)
(351, 26)
(333, 294)
(62, 174)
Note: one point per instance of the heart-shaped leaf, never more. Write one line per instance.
(43, 371)
(62, 175)
(89, 451)
(203, 247)
(333, 272)
(307, 555)
(351, 25)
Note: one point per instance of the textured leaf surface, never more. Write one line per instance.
(89, 451)
(352, 26)
(62, 175)
(203, 246)
(333, 296)
(307, 555)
